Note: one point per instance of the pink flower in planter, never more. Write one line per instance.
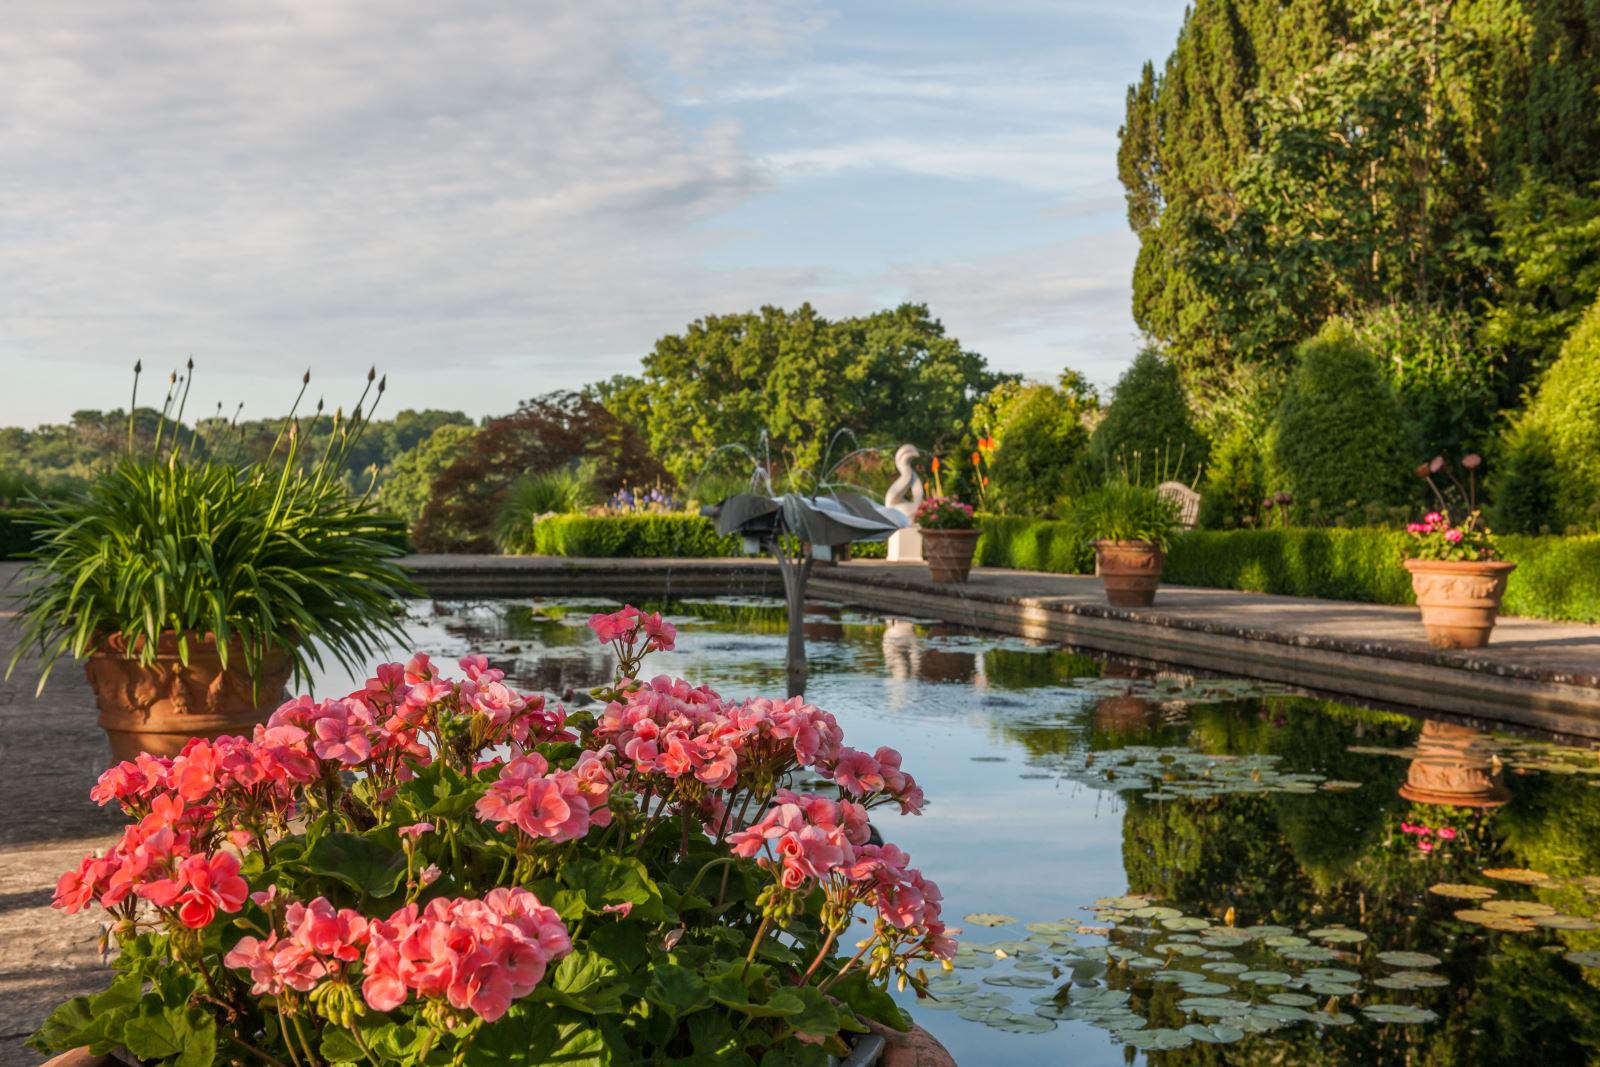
(415, 830)
(1453, 536)
(210, 883)
(1447, 833)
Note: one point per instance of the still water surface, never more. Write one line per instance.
(1168, 868)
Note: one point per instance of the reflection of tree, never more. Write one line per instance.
(1211, 855)
(1013, 669)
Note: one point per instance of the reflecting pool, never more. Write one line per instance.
(1152, 864)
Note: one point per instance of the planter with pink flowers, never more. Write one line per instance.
(441, 869)
(1456, 571)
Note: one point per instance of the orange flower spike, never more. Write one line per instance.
(977, 460)
(935, 463)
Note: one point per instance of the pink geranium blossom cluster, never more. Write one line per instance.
(554, 805)
(632, 635)
(475, 955)
(320, 941)
(1428, 837)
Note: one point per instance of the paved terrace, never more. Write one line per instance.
(1537, 674)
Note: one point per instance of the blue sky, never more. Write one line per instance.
(489, 199)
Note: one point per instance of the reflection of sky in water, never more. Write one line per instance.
(986, 724)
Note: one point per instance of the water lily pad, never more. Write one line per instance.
(1225, 968)
(1566, 922)
(1331, 989)
(1408, 959)
(1587, 958)
(1402, 1014)
(1284, 941)
(1012, 1023)
(1332, 1018)
(1214, 1007)
(984, 918)
(1179, 949)
(1186, 923)
(1020, 981)
(1332, 974)
(1413, 980)
(1203, 988)
(1339, 935)
(1292, 1000)
(1157, 912)
(1526, 909)
(1164, 1040)
(1213, 1033)
(1309, 954)
(1266, 977)
(1495, 920)
(1460, 891)
(1128, 902)
(1520, 875)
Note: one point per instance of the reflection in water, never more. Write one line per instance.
(1455, 767)
(979, 717)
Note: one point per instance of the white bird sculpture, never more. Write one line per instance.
(896, 496)
(905, 546)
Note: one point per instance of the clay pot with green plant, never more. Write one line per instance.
(1456, 570)
(949, 537)
(1131, 526)
(193, 588)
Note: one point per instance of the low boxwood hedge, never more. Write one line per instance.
(1556, 577)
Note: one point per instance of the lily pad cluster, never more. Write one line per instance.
(1135, 962)
(1486, 908)
(1181, 773)
(1183, 689)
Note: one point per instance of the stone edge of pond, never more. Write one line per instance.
(1399, 673)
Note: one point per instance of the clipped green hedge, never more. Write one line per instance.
(631, 536)
(1033, 545)
(16, 537)
(1556, 577)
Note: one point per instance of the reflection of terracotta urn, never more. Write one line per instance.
(1116, 714)
(1131, 571)
(1451, 769)
(1459, 599)
(157, 709)
(940, 666)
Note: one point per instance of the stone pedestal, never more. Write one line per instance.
(905, 546)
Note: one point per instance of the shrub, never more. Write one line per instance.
(1056, 545)
(1235, 484)
(1039, 440)
(632, 536)
(534, 496)
(1337, 443)
(1446, 380)
(1148, 425)
(1553, 453)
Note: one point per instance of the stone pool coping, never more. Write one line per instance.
(1535, 673)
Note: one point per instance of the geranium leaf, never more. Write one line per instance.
(677, 989)
(359, 862)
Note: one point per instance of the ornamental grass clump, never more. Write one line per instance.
(1463, 536)
(276, 558)
(444, 870)
(1123, 510)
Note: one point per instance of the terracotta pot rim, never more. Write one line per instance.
(1134, 546)
(1461, 566)
(116, 646)
(974, 532)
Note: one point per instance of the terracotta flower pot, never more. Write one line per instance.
(1131, 571)
(1459, 599)
(160, 707)
(949, 553)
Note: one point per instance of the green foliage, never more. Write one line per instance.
(1148, 426)
(410, 483)
(534, 496)
(889, 378)
(632, 536)
(16, 534)
(1124, 511)
(1556, 577)
(1446, 380)
(1236, 483)
(1056, 545)
(1299, 159)
(1040, 439)
(1338, 442)
(1552, 235)
(1553, 454)
(280, 560)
